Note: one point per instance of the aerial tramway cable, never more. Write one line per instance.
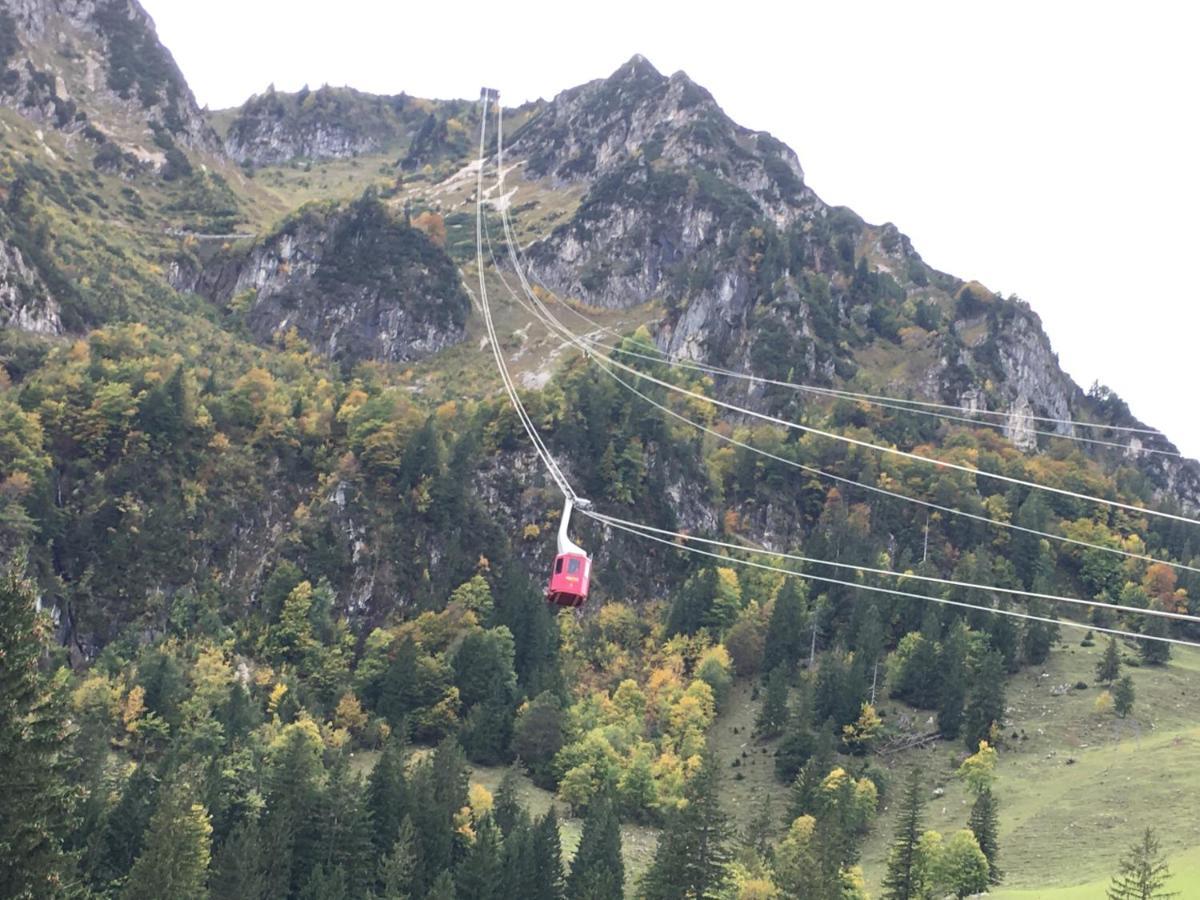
(551, 322)
(1016, 614)
(881, 448)
(924, 407)
(648, 532)
(841, 479)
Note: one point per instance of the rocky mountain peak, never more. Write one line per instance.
(638, 114)
(97, 66)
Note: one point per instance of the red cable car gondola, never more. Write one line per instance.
(569, 580)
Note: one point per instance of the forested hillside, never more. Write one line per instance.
(274, 541)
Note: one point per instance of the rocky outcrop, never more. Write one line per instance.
(351, 280)
(329, 123)
(683, 206)
(596, 129)
(673, 189)
(25, 301)
(75, 63)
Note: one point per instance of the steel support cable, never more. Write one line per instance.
(948, 582)
(876, 399)
(890, 403)
(554, 325)
(895, 451)
(633, 528)
(543, 452)
(1016, 614)
(1055, 598)
(821, 473)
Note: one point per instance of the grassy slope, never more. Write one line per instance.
(1064, 824)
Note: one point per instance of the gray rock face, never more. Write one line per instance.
(73, 57)
(595, 129)
(25, 302)
(351, 281)
(329, 123)
(682, 205)
(673, 186)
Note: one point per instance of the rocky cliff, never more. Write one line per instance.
(25, 301)
(328, 123)
(684, 206)
(351, 280)
(97, 66)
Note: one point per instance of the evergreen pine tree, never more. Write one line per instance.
(239, 870)
(803, 796)
(438, 790)
(387, 793)
(290, 826)
(985, 707)
(919, 680)
(547, 859)
(325, 883)
(598, 872)
(1143, 872)
(1038, 637)
(518, 869)
(120, 838)
(34, 798)
(903, 878)
(175, 856)
(953, 692)
(397, 868)
(787, 641)
(506, 808)
(773, 714)
(693, 853)
(345, 829)
(442, 888)
(1123, 697)
(479, 875)
(1155, 653)
(984, 824)
(1109, 667)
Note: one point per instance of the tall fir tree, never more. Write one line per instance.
(176, 854)
(953, 690)
(1123, 696)
(547, 857)
(325, 883)
(506, 807)
(598, 871)
(787, 637)
(345, 829)
(387, 793)
(438, 791)
(692, 858)
(1155, 653)
(1142, 873)
(985, 825)
(34, 797)
(773, 714)
(1108, 669)
(805, 790)
(239, 870)
(903, 880)
(985, 707)
(442, 887)
(396, 870)
(290, 828)
(478, 876)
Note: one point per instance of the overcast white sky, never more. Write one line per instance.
(1046, 149)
